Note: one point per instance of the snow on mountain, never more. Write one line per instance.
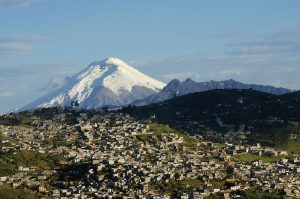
(110, 82)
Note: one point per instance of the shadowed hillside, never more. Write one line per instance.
(224, 110)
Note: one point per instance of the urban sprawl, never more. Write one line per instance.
(111, 155)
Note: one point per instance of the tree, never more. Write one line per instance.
(229, 170)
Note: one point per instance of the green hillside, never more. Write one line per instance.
(267, 116)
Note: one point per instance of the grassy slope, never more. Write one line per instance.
(293, 146)
(7, 192)
(160, 129)
(250, 158)
(9, 162)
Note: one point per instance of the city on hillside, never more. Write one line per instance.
(73, 153)
(149, 99)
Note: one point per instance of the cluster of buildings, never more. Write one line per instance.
(109, 155)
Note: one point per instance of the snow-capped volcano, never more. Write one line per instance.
(110, 82)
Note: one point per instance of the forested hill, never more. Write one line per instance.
(222, 110)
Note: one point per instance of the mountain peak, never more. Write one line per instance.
(107, 82)
(174, 82)
(114, 61)
(172, 85)
(231, 80)
(189, 80)
(108, 62)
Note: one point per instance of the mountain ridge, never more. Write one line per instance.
(267, 116)
(176, 88)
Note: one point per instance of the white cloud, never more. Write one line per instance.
(5, 92)
(137, 63)
(55, 83)
(287, 41)
(23, 38)
(179, 76)
(15, 3)
(231, 72)
(14, 45)
(267, 59)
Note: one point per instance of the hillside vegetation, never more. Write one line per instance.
(9, 162)
(269, 117)
(7, 192)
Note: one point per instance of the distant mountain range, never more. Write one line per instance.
(113, 83)
(176, 88)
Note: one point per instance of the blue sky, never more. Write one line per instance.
(43, 41)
